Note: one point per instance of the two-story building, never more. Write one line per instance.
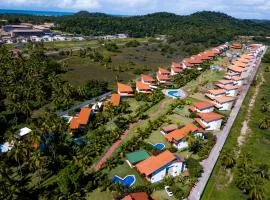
(176, 68)
(202, 107)
(209, 121)
(214, 93)
(224, 103)
(125, 90)
(149, 80)
(143, 88)
(163, 76)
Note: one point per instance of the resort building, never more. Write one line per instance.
(163, 79)
(81, 120)
(137, 196)
(155, 168)
(125, 90)
(136, 157)
(202, 107)
(176, 68)
(115, 100)
(238, 80)
(143, 88)
(209, 121)
(214, 93)
(178, 137)
(224, 82)
(239, 70)
(169, 128)
(146, 79)
(224, 103)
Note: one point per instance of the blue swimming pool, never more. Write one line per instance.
(127, 182)
(159, 146)
(175, 93)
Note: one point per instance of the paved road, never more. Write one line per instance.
(210, 162)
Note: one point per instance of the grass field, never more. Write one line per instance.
(257, 144)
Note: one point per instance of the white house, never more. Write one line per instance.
(143, 88)
(209, 121)
(224, 103)
(163, 76)
(231, 91)
(146, 79)
(223, 82)
(202, 107)
(176, 68)
(214, 93)
(155, 168)
(238, 80)
(243, 72)
(125, 90)
(178, 137)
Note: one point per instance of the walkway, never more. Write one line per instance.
(209, 163)
(114, 147)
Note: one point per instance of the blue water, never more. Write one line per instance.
(33, 12)
(159, 146)
(174, 93)
(127, 182)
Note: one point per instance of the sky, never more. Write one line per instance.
(245, 9)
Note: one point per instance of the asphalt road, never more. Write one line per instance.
(209, 163)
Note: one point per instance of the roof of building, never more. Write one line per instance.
(115, 99)
(236, 69)
(195, 60)
(147, 78)
(224, 99)
(153, 163)
(208, 117)
(240, 64)
(203, 105)
(176, 69)
(137, 156)
(162, 77)
(198, 120)
(124, 87)
(217, 91)
(187, 63)
(74, 123)
(137, 196)
(142, 86)
(179, 134)
(225, 81)
(84, 115)
(236, 46)
(24, 131)
(177, 65)
(163, 71)
(231, 87)
(169, 128)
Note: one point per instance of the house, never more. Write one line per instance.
(224, 82)
(236, 46)
(238, 80)
(224, 103)
(169, 128)
(147, 80)
(115, 100)
(176, 68)
(195, 60)
(187, 64)
(163, 72)
(231, 90)
(81, 120)
(136, 157)
(239, 70)
(23, 132)
(155, 168)
(125, 90)
(137, 196)
(202, 107)
(163, 79)
(209, 121)
(177, 137)
(214, 93)
(143, 88)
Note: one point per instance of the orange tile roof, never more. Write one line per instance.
(236, 69)
(124, 88)
(153, 163)
(187, 63)
(202, 105)
(84, 115)
(204, 57)
(163, 71)
(217, 91)
(208, 117)
(163, 77)
(74, 123)
(176, 65)
(115, 99)
(198, 120)
(236, 46)
(176, 69)
(225, 82)
(147, 78)
(224, 99)
(231, 87)
(137, 196)
(142, 86)
(181, 133)
(240, 64)
(195, 60)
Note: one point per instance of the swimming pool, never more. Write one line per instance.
(127, 182)
(174, 93)
(159, 146)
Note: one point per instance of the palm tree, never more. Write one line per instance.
(36, 163)
(256, 191)
(228, 159)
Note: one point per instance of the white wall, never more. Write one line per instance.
(211, 109)
(214, 125)
(226, 106)
(181, 145)
(231, 93)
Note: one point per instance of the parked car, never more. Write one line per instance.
(168, 191)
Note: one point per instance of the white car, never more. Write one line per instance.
(168, 191)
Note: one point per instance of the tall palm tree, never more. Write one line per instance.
(256, 191)
(228, 159)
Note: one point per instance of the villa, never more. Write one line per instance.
(125, 90)
(187, 64)
(239, 70)
(236, 46)
(177, 137)
(202, 107)
(176, 68)
(147, 80)
(238, 80)
(169, 128)
(214, 93)
(224, 82)
(115, 100)
(209, 121)
(143, 88)
(81, 120)
(155, 168)
(224, 103)
(163, 79)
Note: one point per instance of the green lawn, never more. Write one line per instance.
(99, 195)
(157, 137)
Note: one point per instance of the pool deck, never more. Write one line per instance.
(181, 91)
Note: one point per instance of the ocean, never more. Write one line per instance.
(37, 13)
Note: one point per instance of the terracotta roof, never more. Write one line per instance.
(217, 91)
(225, 82)
(147, 78)
(124, 87)
(224, 99)
(195, 60)
(115, 99)
(84, 115)
(204, 57)
(236, 69)
(74, 123)
(163, 71)
(176, 69)
(231, 87)
(142, 86)
(153, 163)
(187, 63)
(169, 128)
(198, 120)
(208, 117)
(177, 65)
(181, 133)
(137, 196)
(202, 105)
(163, 77)
(240, 64)
(236, 46)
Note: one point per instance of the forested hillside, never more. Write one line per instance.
(201, 26)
